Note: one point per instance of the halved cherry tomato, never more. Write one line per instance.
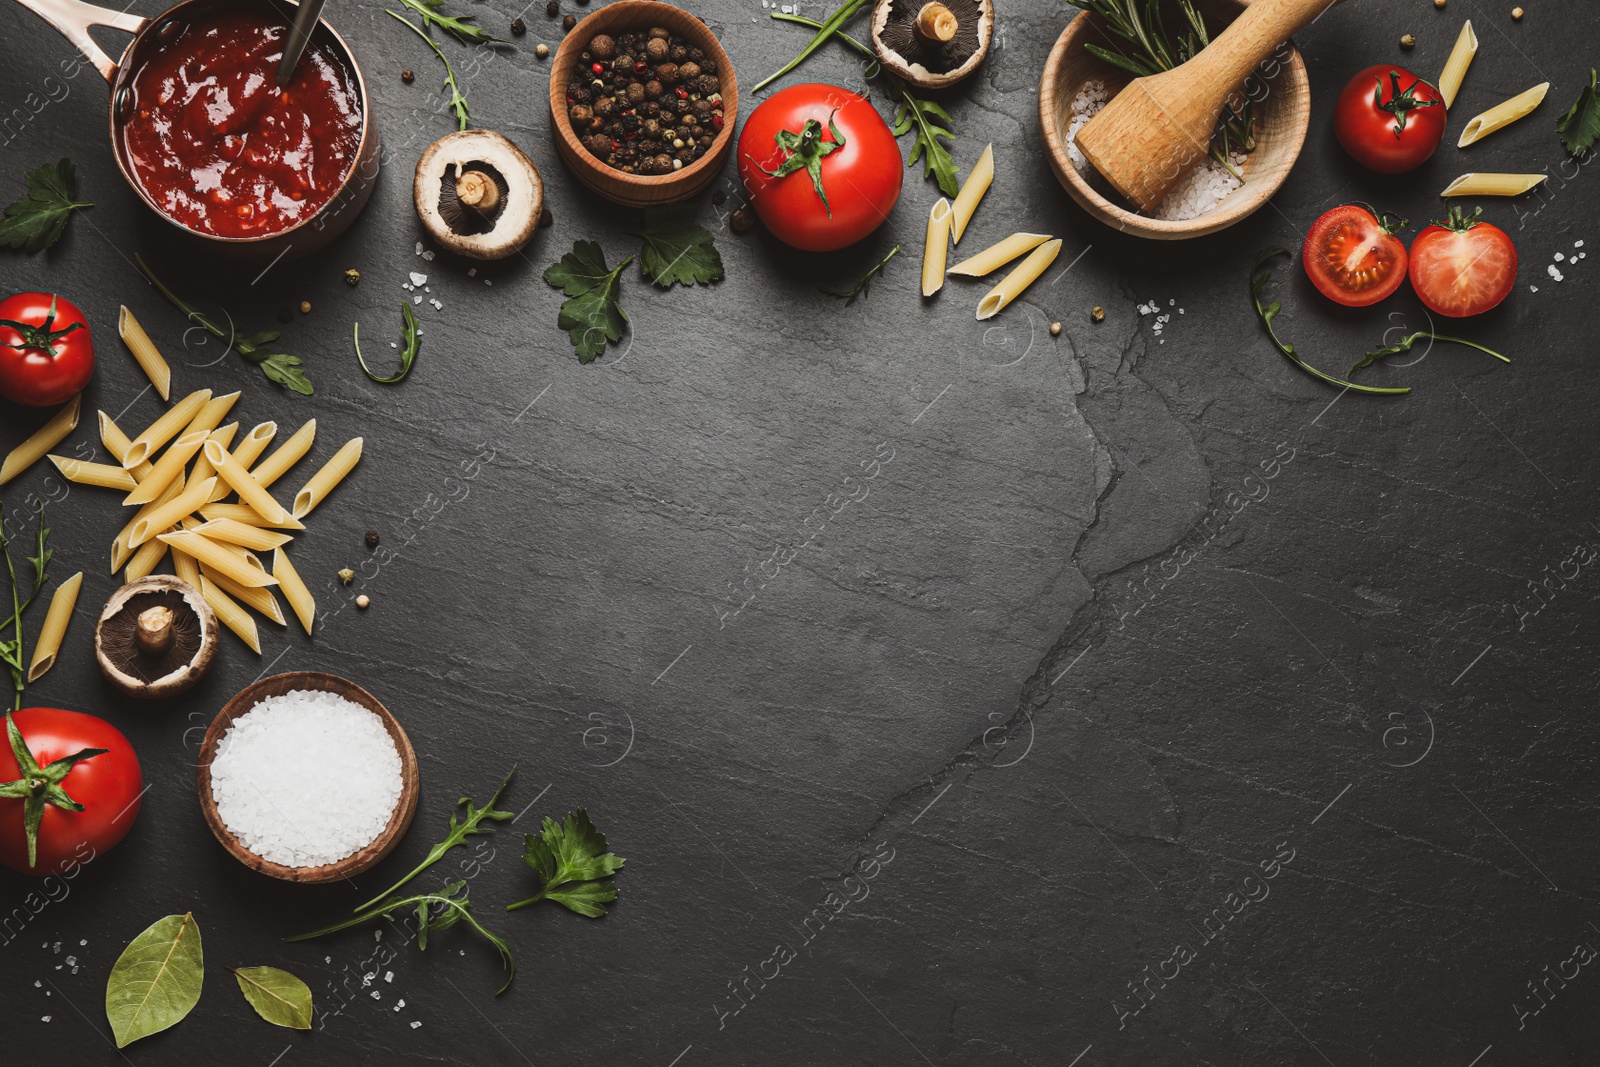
(1462, 266)
(1352, 255)
(1389, 119)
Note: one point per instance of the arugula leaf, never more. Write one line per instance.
(846, 12)
(1580, 126)
(408, 351)
(11, 649)
(592, 317)
(677, 250)
(34, 222)
(458, 100)
(285, 371)
(460, 28)
(460, 830)
(567, 852)
(865, 284)
(930, 121)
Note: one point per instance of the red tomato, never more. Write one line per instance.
(1461, 266)
(1389, 119)
(106, 783)
(1353, 256)
(46, 356)
(821, 166)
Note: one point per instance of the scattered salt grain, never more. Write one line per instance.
(44, 1018)
(327, 959)
(37, 983)
(377, 994)
(56, 948)
(1551, 270)
(83, 941)
(419, 248)
(416, 1024)
(428, 255)
(472, 272)
(283, 804)
(1577, 244)
(399, 1003)
(1560, 257)
(388, 976)
(1533, 288)
(417, 299)
(488, 281)
(436, 305)
(418, 279)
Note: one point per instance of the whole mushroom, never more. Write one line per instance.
(156, 637)
(478, 194)
(932, 43)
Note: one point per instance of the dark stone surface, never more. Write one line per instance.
(1050, 670)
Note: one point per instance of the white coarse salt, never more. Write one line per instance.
(428, 255)
(418, 279)
(1551, 270)
(419, 248)
(1560, 257)
(306, 778)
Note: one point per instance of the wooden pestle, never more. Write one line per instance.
(1159, 128)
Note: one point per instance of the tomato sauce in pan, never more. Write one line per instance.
(220, 147)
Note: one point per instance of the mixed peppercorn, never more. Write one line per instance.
(645, 103)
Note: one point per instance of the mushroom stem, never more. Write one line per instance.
(153, 634)
(477, 190)
(936, 24)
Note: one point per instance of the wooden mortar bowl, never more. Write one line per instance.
(640, 190)
(351, 865)
(1282, 116)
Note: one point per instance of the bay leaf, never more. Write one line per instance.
(157, 979)
(277, 996)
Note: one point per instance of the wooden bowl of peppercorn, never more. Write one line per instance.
(626, 142)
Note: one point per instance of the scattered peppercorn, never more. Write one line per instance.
(352, 276)
(541, 49)
(1516, 14)
(305, 307)
(743, 219)
(1055, 329)
(407, 77)
(372, 538)
(1097, 314)
(518, 27)
(545, 218)
(552, 9)
(346, 575)
(569, 22)
(719, 198)
(1408, 42)
(362, 601)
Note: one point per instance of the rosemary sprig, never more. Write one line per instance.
(457, 99)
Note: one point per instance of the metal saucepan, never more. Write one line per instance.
(72, 18)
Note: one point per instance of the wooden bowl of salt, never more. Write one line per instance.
(329, 767)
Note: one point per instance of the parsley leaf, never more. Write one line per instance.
(461, 28)
(931, 123)
(34, 222)
(592, 317)
(408, 355)
(865, 284)
(572, 851)
(677, 250)
(1580, 127)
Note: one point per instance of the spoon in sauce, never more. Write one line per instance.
(305, 21)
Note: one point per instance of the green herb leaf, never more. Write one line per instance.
(592, 317)
(470, 823)
(458, 100)
(285, 370)
(34, 222)
(156, 980)
(846, 12)
(1580, 126)
(677, 250)
(805, 151)
(460, 28)
(571, 851)
(926, 118)
(410, 343)
(1405, 344)
(862, 287)
(277, 996)
(11, 649)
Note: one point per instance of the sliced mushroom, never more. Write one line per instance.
(156, 637)
(932, 43)
(478, 194)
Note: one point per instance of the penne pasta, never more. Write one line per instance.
(1455, 68)
(286, 455)
(248, 515)
(978, 181)
(1483, 184)
(117, 443)
(257, 599)
(937, 249)
(222, 435)
(165, 428)
(1502, 114)
(43, 440)
(255, 442)
(144, 352)
(211, 413)
(999, 254)
(62, 601)
(167, 468)
(167, 515)
(244, 483)
(301, 602)
(327, 479)
(121, 548)
(187, 568)
(144, 561)
(1015, 283)
(218, 558)
(103, 475)
(237, 533)
(231, 614)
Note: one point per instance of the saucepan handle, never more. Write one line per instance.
(72, 19)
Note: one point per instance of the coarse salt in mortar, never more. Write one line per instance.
(306, 778)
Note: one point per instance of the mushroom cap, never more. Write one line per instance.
(904, 53)
(194, 643)
(510, 225)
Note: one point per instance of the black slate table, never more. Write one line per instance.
(1155, 703)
